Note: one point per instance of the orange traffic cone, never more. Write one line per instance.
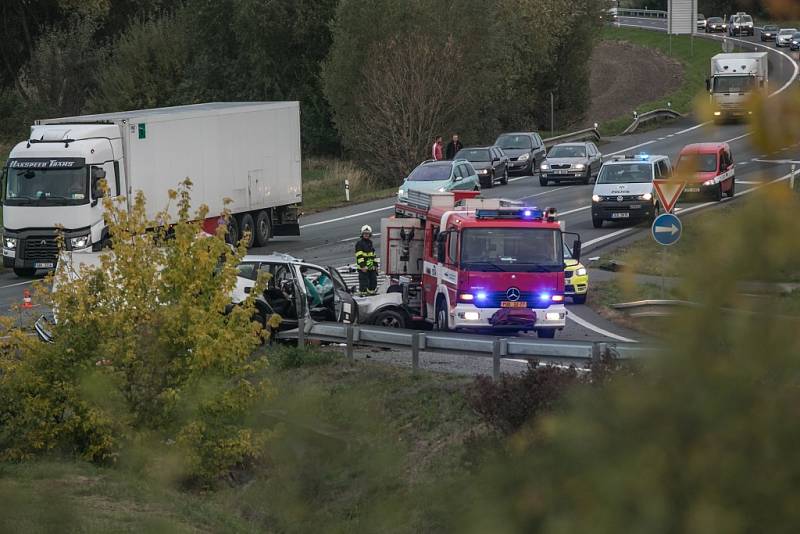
(27, 302)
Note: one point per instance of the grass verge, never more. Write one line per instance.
(323, 184)
(694, 57)
(626, 289)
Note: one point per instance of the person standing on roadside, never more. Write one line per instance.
(453, 147)
(436, 150)
(365, 261)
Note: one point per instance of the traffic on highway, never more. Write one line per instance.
(496, 240)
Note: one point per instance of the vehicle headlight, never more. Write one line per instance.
(596, 198)
(524, 157)
(580, 166)
(483, 171)
(10, 242)
(80, 242)
(646, 196)
(544, 166)
(400, 192)
(581, 271)
(442, 190)
(709, 182)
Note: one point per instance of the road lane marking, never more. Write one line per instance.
(344, 218)
(570, 212)
(737, 138)
(357, 238)
(602, 331)
(17, 284)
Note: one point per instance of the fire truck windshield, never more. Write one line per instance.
(512, 249)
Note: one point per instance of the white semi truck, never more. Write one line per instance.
(734, 78)
(248, 152)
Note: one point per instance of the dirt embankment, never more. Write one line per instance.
(624, 75)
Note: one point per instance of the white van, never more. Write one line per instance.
(624, 188)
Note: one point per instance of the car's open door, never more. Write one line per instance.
(344, 303)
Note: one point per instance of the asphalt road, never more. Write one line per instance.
(328, 238)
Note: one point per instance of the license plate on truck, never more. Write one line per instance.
(513, 304)
(43, 265)
(620, 215)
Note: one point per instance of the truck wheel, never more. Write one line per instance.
(546, 333)
(441, 316)
(579, 299)
(389, 319)
(732, 191)
(248, 229)
(263, 224)
(232, 236)
(24, 271)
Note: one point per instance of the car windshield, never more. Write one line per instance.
(788, 31)
(567, 151)
(513, 141)
(473, 154)
(51, 187)
(770, 28)
(745, 19)
(512, 250)
(733, 84)
(625, 173)
(430, 173)
(796, 35)
(700, 17)
(691, 163)
(715, 20)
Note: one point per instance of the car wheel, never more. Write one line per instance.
(718, 192)
(491, 181)
(543, 181)
(504, 181)
(248, 229)
(579, 299)
(546, 333)
(588, 177)
(597, 223)
(262, 229)
(389, 319)
(441, 316)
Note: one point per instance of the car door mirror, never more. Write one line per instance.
(457, 178)
(441, 246)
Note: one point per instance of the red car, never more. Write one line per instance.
(708, 170)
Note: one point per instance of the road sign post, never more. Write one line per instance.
(666, 231)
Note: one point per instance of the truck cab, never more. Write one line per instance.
(734, 79)
(58, 171)
(707, 169)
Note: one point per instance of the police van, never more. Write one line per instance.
(624, 188)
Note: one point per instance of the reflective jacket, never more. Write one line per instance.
(365, 254)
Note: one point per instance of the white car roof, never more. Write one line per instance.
(275, 257)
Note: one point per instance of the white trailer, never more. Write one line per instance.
(734, 78)
(248, 152)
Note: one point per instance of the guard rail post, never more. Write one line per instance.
(416, 337)
(349, 347)
(599, 351)
(791, 177)
(301, 334)
(496, 359)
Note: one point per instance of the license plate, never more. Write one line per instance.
(692, 189)
(620, 215)
(513, 304)
(41, 265)
(560, 171)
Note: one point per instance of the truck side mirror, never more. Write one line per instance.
(98, 174)
(441, 247)
(576, 250)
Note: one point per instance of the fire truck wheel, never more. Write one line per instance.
(546, 333)
(732, 190)
(579, 299)
(19, 271)
(390, 319)
(441, 316)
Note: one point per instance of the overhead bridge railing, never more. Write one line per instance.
(579, 353)
(641, 13)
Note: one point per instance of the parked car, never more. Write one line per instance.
(525, 151)
(794, 43)
(769, 32)
(740, 24)
(715, 24)
(576, 278)
(571, 161)
(784, 37)
(701, 21)
(441, 176)
(490, 162)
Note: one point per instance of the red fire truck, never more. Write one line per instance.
(462, 262)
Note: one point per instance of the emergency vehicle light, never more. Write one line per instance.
(514, 213)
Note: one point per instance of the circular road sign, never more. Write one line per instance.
(666, 229)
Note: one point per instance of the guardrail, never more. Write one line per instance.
(641, 13)
(652, 308)
(589, 134)
(663, 113)
(552, 351)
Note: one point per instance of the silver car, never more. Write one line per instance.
(784, 37)
(571, 161)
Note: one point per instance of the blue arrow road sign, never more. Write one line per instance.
(667, 229)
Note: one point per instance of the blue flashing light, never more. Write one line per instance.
(643, 156)
(481, 295)
(527, 213)
(544, 296)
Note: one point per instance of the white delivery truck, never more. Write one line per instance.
(734, 77)
(248, 152)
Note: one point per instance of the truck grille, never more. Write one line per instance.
(41, 249)
(494, 298)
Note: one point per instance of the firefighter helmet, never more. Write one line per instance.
(366, 229)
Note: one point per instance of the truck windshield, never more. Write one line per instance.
(512, 250)
(50, 187)
(733, 84)
(690, 163)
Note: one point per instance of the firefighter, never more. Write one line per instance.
(365, 260)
